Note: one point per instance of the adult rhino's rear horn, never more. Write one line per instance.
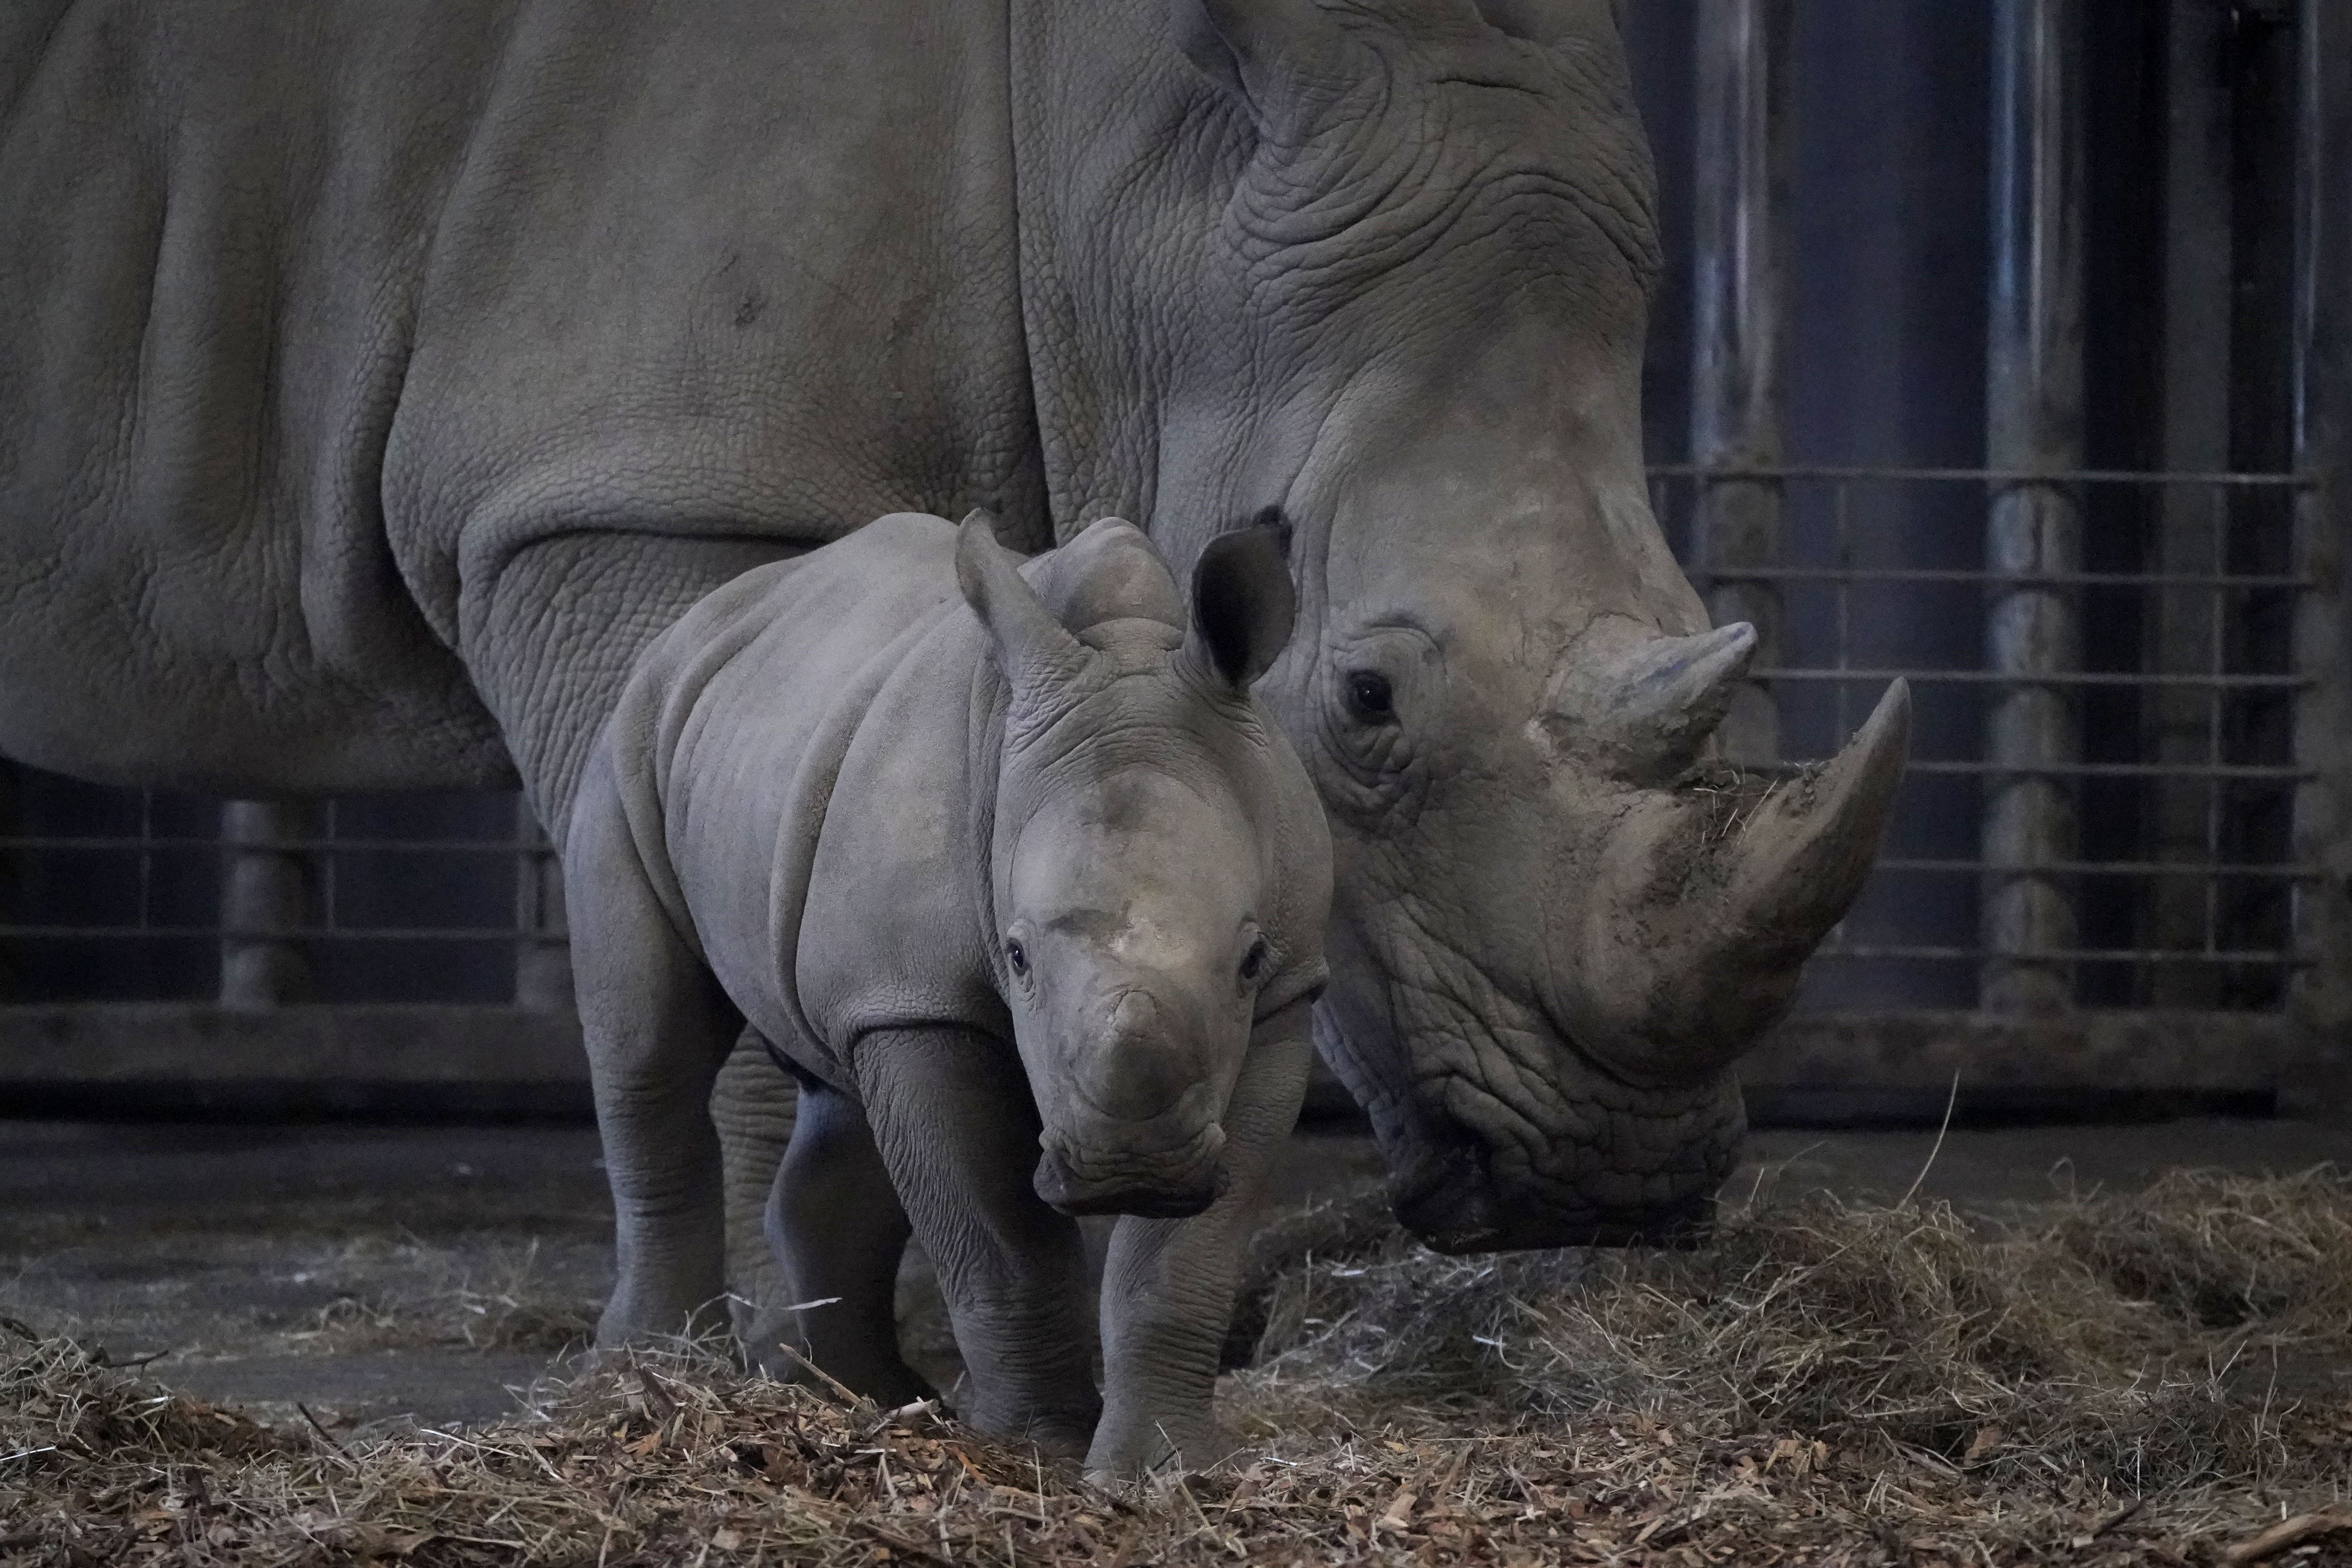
(1645, 713)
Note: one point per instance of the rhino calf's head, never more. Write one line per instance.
(1160, 868)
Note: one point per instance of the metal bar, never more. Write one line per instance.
(2207, 579)
(2046, 677)
(2111, 867)
(263, 933)
(2071, 955)
(2194, 349)
(2033, 414)
(1990, 475)
(2251, 773)
(1739, 301)
(2321, 1000)
(11, 873)
(315, 845)
(266, 895)
(543, 957)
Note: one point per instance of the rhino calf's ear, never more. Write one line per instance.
(1243, 604)
(1033, 648)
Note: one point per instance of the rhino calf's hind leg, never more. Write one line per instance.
(656, 1026)
(957, 1129)
(753, 1105)
(838, 1230)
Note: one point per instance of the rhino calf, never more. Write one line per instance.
(1038, 873)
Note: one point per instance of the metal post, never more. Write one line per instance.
(544, 951)
(11, 875)
(1740, 301)
(2322, 997)
(264, 889)
(2034, 423)
(2185, 622)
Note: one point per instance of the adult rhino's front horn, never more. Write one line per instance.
(1711, 894)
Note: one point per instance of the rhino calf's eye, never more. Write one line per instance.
(1369, 697)
(1018, 957)
(1254, 964)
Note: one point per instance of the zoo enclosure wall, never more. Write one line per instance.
(2120, 859)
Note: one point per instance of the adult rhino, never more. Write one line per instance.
(378, 377)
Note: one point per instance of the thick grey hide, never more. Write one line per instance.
(1031, 872)
(377, 377)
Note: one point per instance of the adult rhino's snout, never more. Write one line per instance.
(1710, 899)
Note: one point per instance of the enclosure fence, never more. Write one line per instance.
(2108, 811)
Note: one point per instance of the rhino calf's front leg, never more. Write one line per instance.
(1169, 1284)
(957, 1127)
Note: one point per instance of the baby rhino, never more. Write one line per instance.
(1007, 864)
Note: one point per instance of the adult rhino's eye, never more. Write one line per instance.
(1369, 697)
(1018, 957)
(1255, 963)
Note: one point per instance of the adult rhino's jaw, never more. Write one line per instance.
(1510, 1137)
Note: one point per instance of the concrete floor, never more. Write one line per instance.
(381, 1273)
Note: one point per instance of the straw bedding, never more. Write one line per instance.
(2145, 1379)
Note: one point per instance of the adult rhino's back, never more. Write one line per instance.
(318, 316)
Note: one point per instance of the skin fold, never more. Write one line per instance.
(1039, 934)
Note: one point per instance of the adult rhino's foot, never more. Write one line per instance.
(1135, 1444)
(1056, 1434)
(629, 1318)
(887, 1381)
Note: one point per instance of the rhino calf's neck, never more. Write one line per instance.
(1036, 872)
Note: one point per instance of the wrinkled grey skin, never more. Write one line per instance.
(378, 379)
(1032, 871)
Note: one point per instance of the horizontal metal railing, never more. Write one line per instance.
(2226, 909)
(1853, 599)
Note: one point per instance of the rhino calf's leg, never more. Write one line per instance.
(753, 1105)
(956, 1127)
(838, 1231)
(657, 1028)
(1169, 1284)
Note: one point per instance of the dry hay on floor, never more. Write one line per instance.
(2112, 1381)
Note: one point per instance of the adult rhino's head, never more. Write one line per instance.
(1160, 866)
(1415, 330)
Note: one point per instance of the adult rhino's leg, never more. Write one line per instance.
(656, 1026)
(753, 1105)
(838, 1231)
(956, 1127)
(1169, 1284)
(550, 631)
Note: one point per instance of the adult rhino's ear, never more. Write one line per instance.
(1265, 54)
(1243, 605)
(1034, 649)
